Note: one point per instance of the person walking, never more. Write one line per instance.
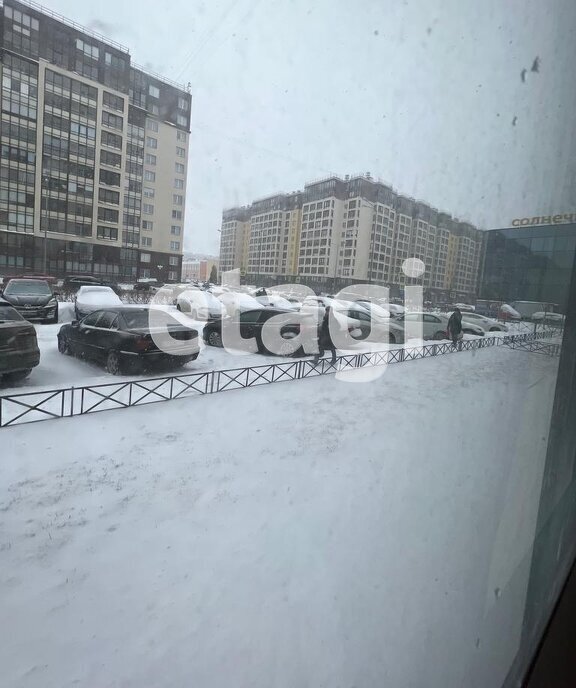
(324, 339)
(455, 328)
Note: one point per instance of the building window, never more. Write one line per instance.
(181, 120)
(146, 241)
(176, 214)
(175, 229)
(109, 178)
(112, 101)
(150, 159)
(149, 176)
(107, 138)
(181, 136)
(178, 199)
(108, 233)
(113, 121)
(153, 91)
(151, 142)
(145, 272)
(147, 225)
(144, 257)
(183, 104)
(173, 260)
(180, 152)
(109, 196)
(151, 125)
(178, 183)
(111, 159)
(149, 192)
(88, 50)
(174, 245)
(179, 168)
(147, 208)
(172, 275)
(154, 110)
(107, 215)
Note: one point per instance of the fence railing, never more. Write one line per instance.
(29, 407)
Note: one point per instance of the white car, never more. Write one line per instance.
(237, 302)
(95, 298)
(487, 324)
(200, 304)
(374, 308)
(275, 301)
(318, 305)
(547, 317)
(434, 325)
(363, 324)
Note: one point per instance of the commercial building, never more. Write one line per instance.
(94, 154)
(338, 232)
(529, 263)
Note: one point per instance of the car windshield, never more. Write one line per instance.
(23, 287)
(8, 314)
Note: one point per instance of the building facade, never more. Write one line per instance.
(529, 264)
(198, 269)
(94, 154)
(338, 232)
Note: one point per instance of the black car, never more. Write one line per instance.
(33, 299)
(250, 324)
(19, 351)
(121, 338)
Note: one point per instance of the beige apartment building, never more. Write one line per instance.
(338, 232)
(94, 154)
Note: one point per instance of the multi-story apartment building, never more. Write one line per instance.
(352, 230)
(93, 154)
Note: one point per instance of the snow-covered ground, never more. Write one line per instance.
(314, 533)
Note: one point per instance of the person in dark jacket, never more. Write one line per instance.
(324, 338)
(455, 327)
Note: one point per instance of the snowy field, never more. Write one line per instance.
(311, 534)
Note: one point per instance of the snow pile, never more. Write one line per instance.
(350, 534)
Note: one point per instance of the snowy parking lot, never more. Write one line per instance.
(56, 371)
(251, 539)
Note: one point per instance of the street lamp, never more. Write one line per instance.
(44, 200)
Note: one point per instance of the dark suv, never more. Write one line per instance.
(33, 299)
(18, 345)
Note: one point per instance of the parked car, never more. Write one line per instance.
(33, 299)
(250, 324)
(376, 309)
(318, 304)
(506, 312)
(121, 338)
(91, 298)
(548, 318)
(19, 351)
(72, 283)
(363, 324)
(435, 325)
(276, 301)
(235, 301)
(487, 324)
(200, 304)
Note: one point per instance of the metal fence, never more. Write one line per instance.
(29, 407)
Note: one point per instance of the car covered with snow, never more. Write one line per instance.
(92, 298)
(487, 324)
(200, 304)
(19, 351)
(238, 302)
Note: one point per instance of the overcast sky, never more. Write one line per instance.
(425, 94)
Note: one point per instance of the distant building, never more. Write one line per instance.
(94, 153)
(199, 269)
(338, 232)
(529, 264)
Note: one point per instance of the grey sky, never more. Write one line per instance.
(421, 93)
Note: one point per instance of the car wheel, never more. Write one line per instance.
(113, 363)
(391, 339)
(215, 339)
(439, 335)
(178, 307)
(494, 329)
(17, 375)
(64, 345)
